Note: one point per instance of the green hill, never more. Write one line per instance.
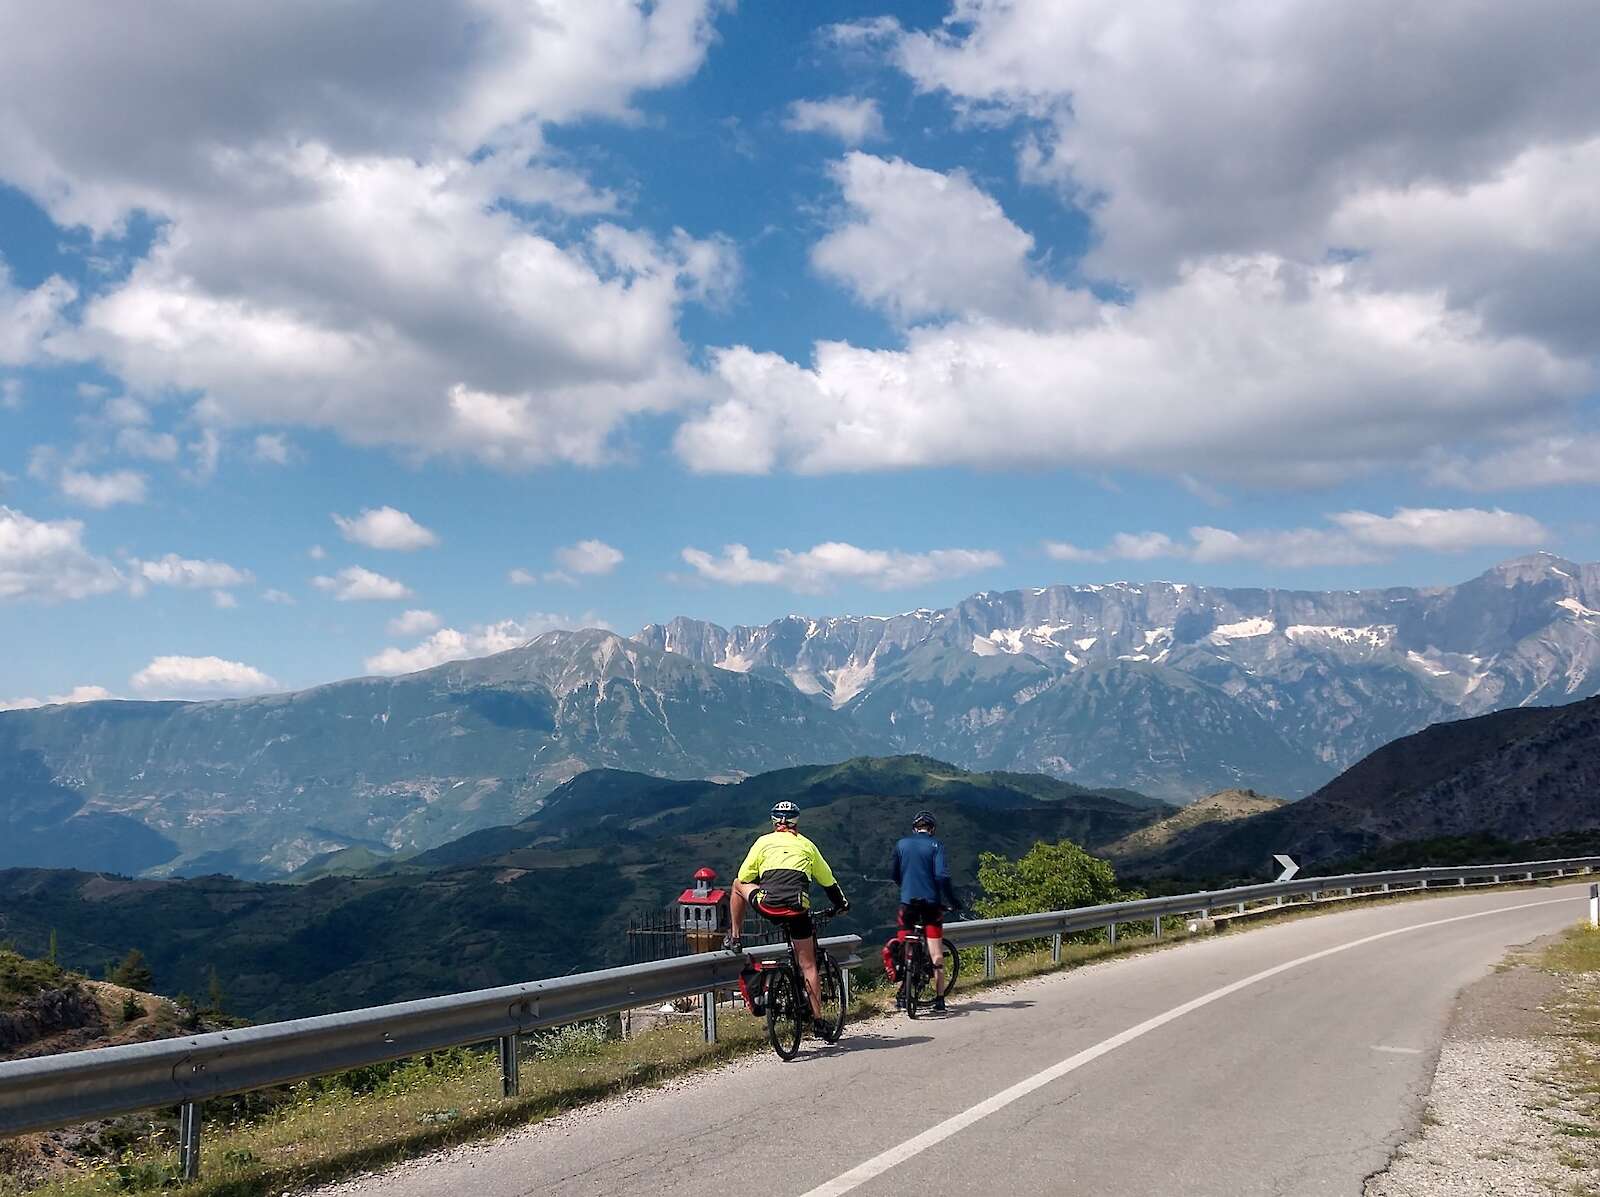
(548, 896)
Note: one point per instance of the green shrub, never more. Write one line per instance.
(573, 1041)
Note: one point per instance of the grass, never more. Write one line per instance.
(22, 978)
(1575, 958)
(324, 1130)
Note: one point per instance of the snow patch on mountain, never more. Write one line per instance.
(1245, 629)
(850, 679)
(1372, 636)
(1578, 609)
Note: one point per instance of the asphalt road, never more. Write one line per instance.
(1288, 1060)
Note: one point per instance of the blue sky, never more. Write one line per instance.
(908, 302)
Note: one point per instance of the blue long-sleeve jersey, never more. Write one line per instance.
(920, 869)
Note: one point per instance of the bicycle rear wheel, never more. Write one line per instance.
(784, 1020)
(952, 966)
(833, 1012)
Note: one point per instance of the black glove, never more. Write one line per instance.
(842, 905)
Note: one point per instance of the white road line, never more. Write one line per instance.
(1397, 1051)
(882, 1162)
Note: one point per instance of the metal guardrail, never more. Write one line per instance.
(987, 933)
(74, 1087)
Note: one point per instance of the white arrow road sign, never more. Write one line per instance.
(1288, 866)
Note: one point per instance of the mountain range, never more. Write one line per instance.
(1164, 688)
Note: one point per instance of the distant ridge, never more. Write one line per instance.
(1513, 776)
(1162, 688)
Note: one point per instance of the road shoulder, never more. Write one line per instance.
(1514, 1107)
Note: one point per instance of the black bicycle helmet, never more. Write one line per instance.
(924, 818)
(785, 812)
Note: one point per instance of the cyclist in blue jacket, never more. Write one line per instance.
(920, 870)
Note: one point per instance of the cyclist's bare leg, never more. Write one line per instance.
(737, 901)
(936, 955)
(805, 951)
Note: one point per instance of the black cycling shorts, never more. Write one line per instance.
(795, 920)
(927, 915)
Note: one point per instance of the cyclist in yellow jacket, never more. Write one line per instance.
(776, 878)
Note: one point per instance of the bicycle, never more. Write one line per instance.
(916, 970)
(779, 995)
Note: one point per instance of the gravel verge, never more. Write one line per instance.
(1510, 1112)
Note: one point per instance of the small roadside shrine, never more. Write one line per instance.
(703, 912)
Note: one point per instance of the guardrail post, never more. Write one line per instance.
(708, 1014)
(189, 1140)
(1241, 907)
(1111, 934)
(844, 989)
(1461, 880)
(1594, 907)
(1349, 891)
(1530, 874)
(510, 1073)
(988, 962)
(1158, 926)
(1055, 945)
(1385, 887)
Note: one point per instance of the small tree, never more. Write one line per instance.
(1055, 876)
(214, 991)
(133, 972)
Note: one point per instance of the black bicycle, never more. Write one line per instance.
(778, 993)
(916, 971)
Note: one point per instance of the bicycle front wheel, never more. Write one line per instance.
(833, 1011)
(784, 1022)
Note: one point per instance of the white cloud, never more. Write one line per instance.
(1356, 537)
(1124, 546)
(11, 394)
(818, 568)
(273, 448)
(385, 528)
(27, 318)
(1206, 129)
(521, 577)
(589, 557)
(1566, 460)
(355, 584)
(45, 560)
(102, 490)
(280, 597)
(1441, 529)
(413, 623)
(1252, 369)
(76, 694)
(224, 600)
(186, 574)
(851, 119)
(152, 446)
(282, 183)
(1456, 188)
(316, 552)
(199, 677)
(450, 644)
(921, 244)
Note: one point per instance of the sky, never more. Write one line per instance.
(341, 338)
